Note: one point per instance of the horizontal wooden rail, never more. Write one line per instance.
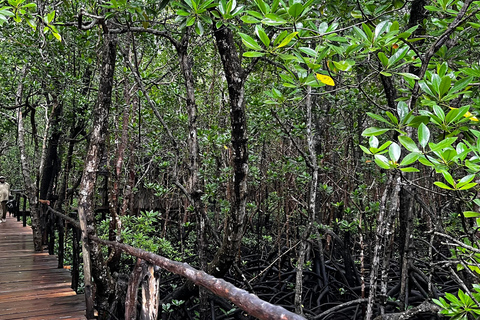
(246, 301)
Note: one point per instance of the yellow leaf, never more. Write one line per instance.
(325, 79)
(226, 148)
(468, 115)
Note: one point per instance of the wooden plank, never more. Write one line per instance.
(31, 285)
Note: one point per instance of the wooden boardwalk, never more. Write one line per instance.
(31, 285)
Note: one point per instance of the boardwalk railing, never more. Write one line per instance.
(248, 302)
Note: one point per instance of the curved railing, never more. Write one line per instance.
(246, 301)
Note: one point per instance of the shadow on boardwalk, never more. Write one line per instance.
(31, 285)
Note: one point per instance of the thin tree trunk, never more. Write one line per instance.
(30, 187)
(381, 240)
(194, 185)
(235, 223)
(94, 267)
(312, 200)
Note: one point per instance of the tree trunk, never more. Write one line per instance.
(195, 187)
(387, 209)
(235, 223)
(312, 200)
(94, 267)
(30, 187)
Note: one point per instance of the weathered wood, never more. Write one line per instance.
(248, 302)
(31, 285)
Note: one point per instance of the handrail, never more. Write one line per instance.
(246, 301)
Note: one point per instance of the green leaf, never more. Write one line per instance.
(262, 6)
(295, 10)
(373, 131)
(402, 110)
(471, 214)
(381, 27)
(249, 19)
(435, 84)
(449, 178)
(468, 186)
(409, 159)
(423, 135)
(287, 40)
(409, 169)
(397, 56)
(379, 118)
(426, 88)
(442, 185)
(439, 112)
(342, 65)
(190, 21)
(308, 51)
(381, 161)
(383, 58)
(444, 86)
(368, 32)
(409, 75)
(360, 33)
(57, 36)
(365, 149)
(199, 27)
(373, 142)
(384, 146)
(445, 143)
(249, 42)
(253, 54)
(392, 117)
(408, 143)
(262, 35)
(394, 152)
(461, 84)
(273, 20)
(182, 13)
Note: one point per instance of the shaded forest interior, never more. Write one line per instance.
(322, 155)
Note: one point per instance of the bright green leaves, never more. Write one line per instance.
(374, 148)
(262, 35)
(438, 86)
(18, 9)
(285, 40)
(195, 13)
(281, 41)
(461, 307)
(464, 183)
(5, 12)
(442, 6)
(249, 42)
(226, 11)
(50, 27)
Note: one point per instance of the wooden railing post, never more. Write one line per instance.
(50, 217)
(76, 235)
(17, 205)
(24, 210)
(61, 239)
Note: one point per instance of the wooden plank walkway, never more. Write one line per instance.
(31, 285)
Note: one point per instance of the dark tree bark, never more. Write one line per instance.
(235, 221)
